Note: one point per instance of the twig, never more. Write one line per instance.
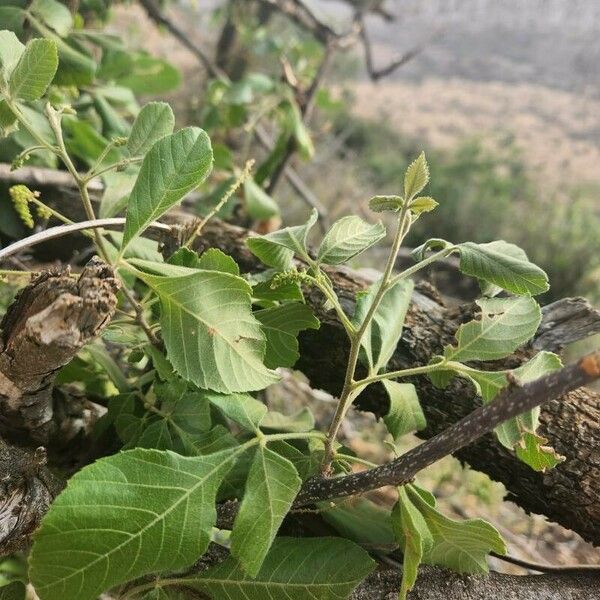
(61, 230)
(481, 421)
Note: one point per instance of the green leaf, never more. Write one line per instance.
(212, 259)
(135, 513)
(386, 203)
(277, 249)
(458, 545)
(117, 187)
(154, 122)
(174, 166)
(413, 535)
(504, 265)
(385, 329)
(54, 14)
(11, 51)
(12, 18)
(532, 451)
(147, 75)
(241, 408)
(416, 177)
(295, 568)
(405, 414)
(281, 325)
(299, 422)
(349, 518)
(504, 325)
(272, 485)
(347, 238)
(8, 121)
(422, 204)
(15, 590)
(259, 204)
(35, 70)
(211, 336)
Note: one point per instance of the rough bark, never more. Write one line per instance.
(438, 584)
(26, 490)
(568, 494)
(43, 329)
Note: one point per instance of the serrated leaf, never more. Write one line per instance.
(299, 422)
(347, 238)
(504, 325)
(385, 329)
(277, 249)
(155, 121)
(316, 568)
(414, 537)
(272, 485)
(405, 414)
(386, 203)
(174, 166)
(532, 451)
(11, 51)
(211, 336)
(241, 408)
(504, 265)
(54, 14)
(35, 70)
(281, 325)
(416, 177)
(259, 204)
(458, 545)
(135, 513)
(212, 259)
(423, 204)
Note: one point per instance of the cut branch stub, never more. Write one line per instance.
(43, 329)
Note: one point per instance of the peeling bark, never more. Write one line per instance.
(47, 324)
(568, 494)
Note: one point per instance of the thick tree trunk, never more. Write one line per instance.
(568, 494)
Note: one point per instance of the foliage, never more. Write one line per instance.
(204, 336)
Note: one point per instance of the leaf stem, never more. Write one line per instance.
(420, 265)
(401, 373)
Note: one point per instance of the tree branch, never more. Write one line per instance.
(508, 404)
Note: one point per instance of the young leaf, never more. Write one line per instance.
(174, 166)
(416, 177)
(383, 332)
(54, 14)
(504, 265)
(277, 249)
(347, 238)
(259, 204)
(504, 324)
(241, 408)
(211, 336)
(458, 545)
(422, 204)
(413, 535)
(386, 203)
(131, 514)
(35, 70)
(281, 325)
(154, 122)
(272, 485)
(405, 414)
(295, 568)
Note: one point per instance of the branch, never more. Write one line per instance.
(510, 403)
(49, 321)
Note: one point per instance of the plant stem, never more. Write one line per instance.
(349, 390)
(420, 265)
(402, 373)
